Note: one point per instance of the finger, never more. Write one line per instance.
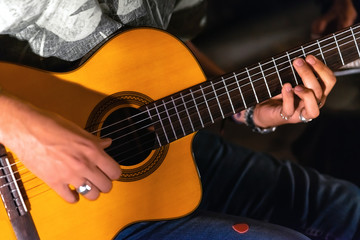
(105, 142)
(92, 192)
(319, 25)
(97, 177)
(65, 192)
(88, 167)
(311, 109)
(317, 28)
(348, 18)
(326, 76)
(288, 101)
(346, 22)
(308, 77)
(102, 164)
(109, 166)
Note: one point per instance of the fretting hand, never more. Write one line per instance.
(300, 103)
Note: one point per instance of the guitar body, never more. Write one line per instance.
(136, 66)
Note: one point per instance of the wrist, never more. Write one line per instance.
(14, 117)
(253, 124)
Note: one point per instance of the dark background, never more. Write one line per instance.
(240, 33)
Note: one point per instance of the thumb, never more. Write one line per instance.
(105, 142)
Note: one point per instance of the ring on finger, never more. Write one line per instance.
(284, 117)
(84, 189)
(320, 104)
(303, 119)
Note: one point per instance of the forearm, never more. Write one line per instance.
(55, 149)
(12, 118)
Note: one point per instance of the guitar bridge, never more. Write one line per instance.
(13, 200)
(9, 188)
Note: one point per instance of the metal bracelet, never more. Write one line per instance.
(249, 121)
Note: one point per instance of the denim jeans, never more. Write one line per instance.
(276, 199)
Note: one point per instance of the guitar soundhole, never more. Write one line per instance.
(130, 131)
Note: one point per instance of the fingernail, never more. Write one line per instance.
(311, 60)
(299, 62)
(299, 88)
(288, 88)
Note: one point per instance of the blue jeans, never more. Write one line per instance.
(276, 199)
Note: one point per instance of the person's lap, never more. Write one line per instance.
(208, 226)
(241, 185)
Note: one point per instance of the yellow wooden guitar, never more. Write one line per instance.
(145, 90)
(135, 67)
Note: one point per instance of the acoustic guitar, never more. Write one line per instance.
(146, 91)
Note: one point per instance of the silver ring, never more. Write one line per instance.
(303, 119)
(283, 116)
(83, 189)
(320, 104)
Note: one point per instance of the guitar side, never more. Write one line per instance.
(147, 61)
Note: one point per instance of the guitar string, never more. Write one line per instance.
(239, 80)
(202, 96)
(314, 44)
(194, 113)
(37, 193)
(278, 65)
(149, 133)
(264, 71)
(24, 179)
(28, 190)
(196, 98)
(253, 81)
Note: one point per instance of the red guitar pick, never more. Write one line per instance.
(241, 227)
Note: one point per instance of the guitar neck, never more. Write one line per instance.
(194, 108)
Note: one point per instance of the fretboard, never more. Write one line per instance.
(194, 108)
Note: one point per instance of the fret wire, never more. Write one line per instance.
(276, 67)
(280, 64)
(263, 74)
(247, 83)
(157, 136)
(277, 71)
(217, 99)
(252, 85)
(257, 79)
(242, 96)
(356, 44)
(227, 92)
(282, 57)
(207, 105)
(197, 109)
(313, 44)
(292, 68)
(178, 115)
(321, 52)
(187, 112)
(338, 48)
(303, 50)
(161, 122)
(167, 113)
